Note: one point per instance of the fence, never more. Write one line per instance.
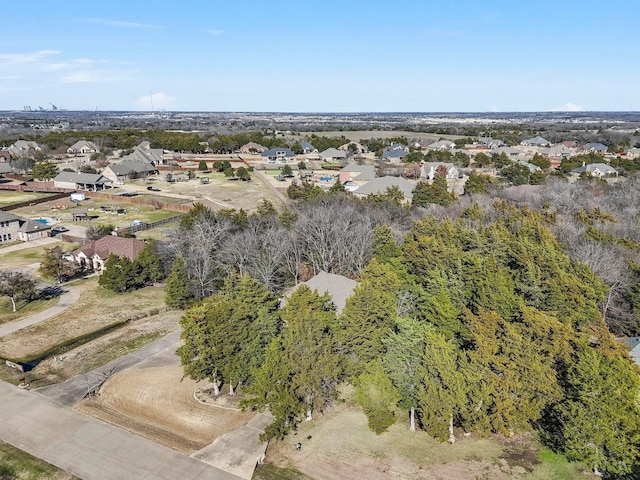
(147, 226)
(155, 203)
(35, 201)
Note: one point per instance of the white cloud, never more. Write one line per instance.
(94, 76)
(120, 23)
(26, 58)
(570, 107)
(214, 32)
(156, 101)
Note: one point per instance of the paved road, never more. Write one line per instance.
(68, 298)
(159, 353)
(89, 448)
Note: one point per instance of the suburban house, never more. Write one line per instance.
(32, 230)
(532, 168)
(570, 143)
(5, 156)
(441, 145)
(94, 254)
(278, 155)
(379, 186)
(557, 151)
(491, 143)
(81, 181)
(13, 227)
(5, 168)
(428, 170)
(595, 148)
(148, 155)
(252, 147)
(511, 152)
(599, 170)
(83, 147)
(537, 141)
(307, 147)
(334, 155)
(633, 152)
(394, 156)
(353, 147)
(338, 287)
(126, 169)
(357, 173)
(9, 226)
(23, 148)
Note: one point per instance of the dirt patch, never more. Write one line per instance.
(156, 404)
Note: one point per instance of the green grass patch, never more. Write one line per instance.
(24, 309)
(555, 466)
(269, 471)
(16, 464)
(11, 197)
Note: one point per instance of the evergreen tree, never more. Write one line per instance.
(377, 396)
(436, 193)
(120, 274)
(202, 165)
(178, 289)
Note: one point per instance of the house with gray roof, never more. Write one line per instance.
(633, 152)
(599, 170)
(82, 181)
(596, 147)
(441, 145)
(338, 287)
(557, 151)
(359, 173)
(278, 155)
(126, 169)
(394, 156)
(332, 155)
(536, 141)
(5, 168)
(23, 148)
(9, 226)
(83, 147)
(307, 147)
(491, 142)
(532, 168)
(32, 230)
(379, 186)
(634, 344)
(155, 156)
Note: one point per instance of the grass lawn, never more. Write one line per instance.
(19, 465)
(8, 197)
(23, 309)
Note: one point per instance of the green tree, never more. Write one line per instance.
(477, 183)
(86, 168)
(202, 165)
(540, 161)
(45, 170)
(384, 245)
(53, 265)
(95, 232)
(377, 396)
(436, 193)
(17, 286)
(120, 275)
(148, 265)
(337, 187)
(228, 172)
(178, 290)
(286, 170)
(599, 420)
(482, 160)
(243, 173)
(265, 208)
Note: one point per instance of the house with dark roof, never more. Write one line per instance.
(94, 254)
(32, 230)
(394, 156)
(278, 155)
(338, 287)
(307, 147)
(82, 181)
(5, 156)
(5, 168)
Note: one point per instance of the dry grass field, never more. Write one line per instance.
(157, 403)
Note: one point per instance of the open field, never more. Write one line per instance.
(158, 404)
(18, 465)
(9, 197)
(340, 445)
(23, 308)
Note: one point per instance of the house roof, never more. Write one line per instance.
(537, 140)
(441, 144)
(333, 153)
(82, 178)
(366, 172)
(379, 185)
(592, 167)
(532, 168)
(151, 155)
(273, 152)
(398, 153)
(5, 167)
(105, 246)
(596, 146)
(254, 145)
(25, 145)
(31, 226)
(634, 343)
(80, 144)
(10, 217)
(306, 145)
(127, 166)
(338, 287)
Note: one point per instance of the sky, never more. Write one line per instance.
(321, 56)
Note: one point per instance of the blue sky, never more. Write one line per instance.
(321, 56)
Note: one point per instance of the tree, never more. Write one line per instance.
(45, 170)
(53, 265)
(265, 208)
(477, 183)
(482, 160)
(302, 166)
(540, 161)
(436, 193)
(120, 274)
(86, 168)
(243, 173)
(17, 286)
(286, 171)
(599, 420)
(95, 232)
(228, 172)
(378, 398)
(178, 290)
(148, 265)
(202, 165)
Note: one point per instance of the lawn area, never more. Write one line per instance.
(9, 197)
(23, 309)
(19, 465)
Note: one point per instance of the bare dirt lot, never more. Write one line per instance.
(155, 403)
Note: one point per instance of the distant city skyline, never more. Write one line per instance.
(321, 56)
